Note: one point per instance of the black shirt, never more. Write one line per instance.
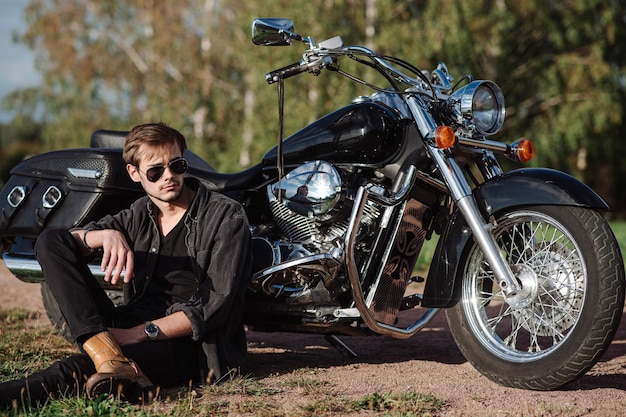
(174, 280)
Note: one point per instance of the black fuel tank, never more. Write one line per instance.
(366, 134)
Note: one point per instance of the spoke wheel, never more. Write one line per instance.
(567, 262)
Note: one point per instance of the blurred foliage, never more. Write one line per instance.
(113, 64)
(18, 140)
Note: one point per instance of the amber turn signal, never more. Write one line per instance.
(525, 150)
(444, 137)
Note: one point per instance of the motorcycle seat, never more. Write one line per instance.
(246, 179)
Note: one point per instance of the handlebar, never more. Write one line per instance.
(285, 72)
(315, 59)
(312, 63)
(386, 66)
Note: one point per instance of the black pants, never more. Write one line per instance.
(87, 310)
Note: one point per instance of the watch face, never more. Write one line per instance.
(151, 329)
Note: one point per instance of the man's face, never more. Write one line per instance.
(169, 186)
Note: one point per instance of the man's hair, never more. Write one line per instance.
(153, 135)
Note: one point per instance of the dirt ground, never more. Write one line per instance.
(428, 363)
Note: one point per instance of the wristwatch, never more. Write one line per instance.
(152, 330)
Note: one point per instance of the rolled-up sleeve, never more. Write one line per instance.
(223, 258)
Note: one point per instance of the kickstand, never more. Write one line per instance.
(338, 344)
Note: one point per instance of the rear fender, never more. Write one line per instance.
(519, 188)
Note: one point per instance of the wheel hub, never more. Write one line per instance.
(550, 293)
(527, 279)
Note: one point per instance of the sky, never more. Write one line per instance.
(17, 69)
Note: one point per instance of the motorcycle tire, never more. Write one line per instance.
(567, 312)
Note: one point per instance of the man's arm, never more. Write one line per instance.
(170, 327)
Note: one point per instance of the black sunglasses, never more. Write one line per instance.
(177, 166)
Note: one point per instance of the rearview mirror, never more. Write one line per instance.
(272, 31)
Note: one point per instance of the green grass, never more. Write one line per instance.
(426, 256)
(19, 342)
(399, 404)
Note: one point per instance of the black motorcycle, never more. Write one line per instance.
(527, 268)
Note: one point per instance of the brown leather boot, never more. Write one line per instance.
(115, 373)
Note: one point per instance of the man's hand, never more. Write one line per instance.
(117, 256)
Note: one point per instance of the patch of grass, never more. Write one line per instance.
(327, 405)
(310, 385)
(16, 315)
(241, 385)
(193, 404)
(239, 396)
(426, 256)
(256, 408)
(399, 404)
(81, 406)
(25, 348)
(407, 404)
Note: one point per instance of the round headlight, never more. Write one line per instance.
(483, 102)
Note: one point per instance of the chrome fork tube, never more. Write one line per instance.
(462, 195)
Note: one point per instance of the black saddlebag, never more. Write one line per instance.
(65, 189)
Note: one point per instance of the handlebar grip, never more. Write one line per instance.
(285, 72)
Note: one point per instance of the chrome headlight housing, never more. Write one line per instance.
(479, 106)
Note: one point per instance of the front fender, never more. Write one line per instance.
(518, 188)
(532, 187)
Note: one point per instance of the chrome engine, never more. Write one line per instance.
(311, 209)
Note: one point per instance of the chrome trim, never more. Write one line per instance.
(489, 167)
(347, 313)
(424, 120)
(20, 190)
(293, 263)
(400, 195)
(451, 172)
(51, 197)
(482, 236)
(467, 104)
(27, 269)
(92, 174)
(462, 195)
(353, 276)
(491, 145)
(385, 257)
(310, 189)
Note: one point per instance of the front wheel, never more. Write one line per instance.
(557, 327)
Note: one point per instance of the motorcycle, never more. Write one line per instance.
(526, 267)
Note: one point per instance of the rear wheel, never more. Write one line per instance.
(556, 328)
